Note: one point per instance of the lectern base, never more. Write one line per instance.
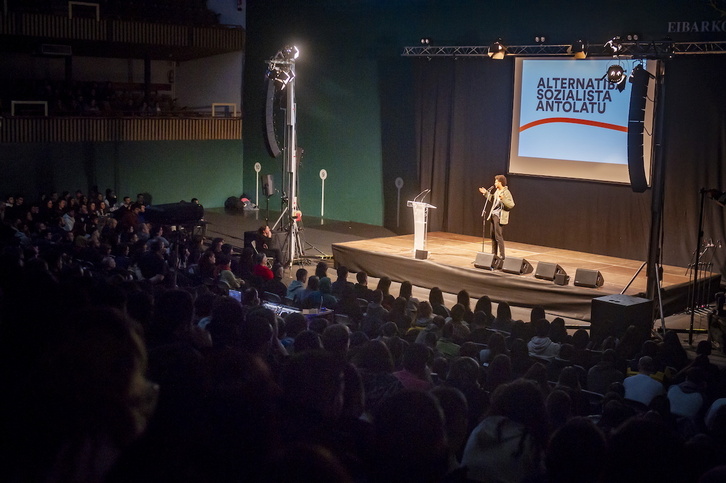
(422, 254)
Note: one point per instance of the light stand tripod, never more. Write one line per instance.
(281, 68)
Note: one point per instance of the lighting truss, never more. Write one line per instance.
(651, 49)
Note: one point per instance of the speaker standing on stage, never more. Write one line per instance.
(502, 202)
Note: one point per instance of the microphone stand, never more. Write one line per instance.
(484, 220)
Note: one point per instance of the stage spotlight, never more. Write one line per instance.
(425, 40)
(539, 39)
(497, 50)
(579, 49)
(290, 52)
(613, 46)
(615, 74)
(632, 37)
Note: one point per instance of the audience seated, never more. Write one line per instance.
(541, 346)
(641, 387)
(508, 444)
(233, 391)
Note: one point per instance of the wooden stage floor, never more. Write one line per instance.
(450, 266)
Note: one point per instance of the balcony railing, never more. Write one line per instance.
(94, 129)
(221, 38)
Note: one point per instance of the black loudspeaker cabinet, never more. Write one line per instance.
(269, 185)
(487, 261)
(548, 271)
(519, 266)
(585, 277)
(174, 213)
(613, 314)
(273, 148)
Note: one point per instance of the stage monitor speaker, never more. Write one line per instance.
(174, 213)
(520, 266)
(269, 185)
(487, 261)
(547, 270)
(422, 254)
(613, 314)
(588, 278)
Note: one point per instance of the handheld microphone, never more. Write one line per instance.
(491, 188)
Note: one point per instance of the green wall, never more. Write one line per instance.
(169, 171)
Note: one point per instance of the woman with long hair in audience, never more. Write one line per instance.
(461, 328)
(436, 299)
(484, 304)
(463, 298)
(503, 321)
(384, 285)
(495, 346)
(207, 265)
(398, 315)
(406, 291)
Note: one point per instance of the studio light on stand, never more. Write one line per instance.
(281, 69)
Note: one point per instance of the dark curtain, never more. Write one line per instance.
(463, 115)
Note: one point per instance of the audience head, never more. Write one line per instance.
(436, 296)
(415, 359)
(384, 285)
(295, 323)
(537, 312)
(307, 340)
(406, 290)
(314, 380)
(456, 409)
(484, 304)
(257, 331)
(462, 297)
(374, 356)
(424, 310)
(301, 275)
(504, 312)
(541, 328)
(336, 339)
(342, 272)
(642, 450)
(226, 323)
(313, 283)
(457, 313)
(321, 269)
(409, 439)
(646, 365)
(325, 285)
(362, 278)
(576, 453)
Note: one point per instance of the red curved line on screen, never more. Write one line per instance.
(570, 120)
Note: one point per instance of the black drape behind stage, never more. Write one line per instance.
(464, 115)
